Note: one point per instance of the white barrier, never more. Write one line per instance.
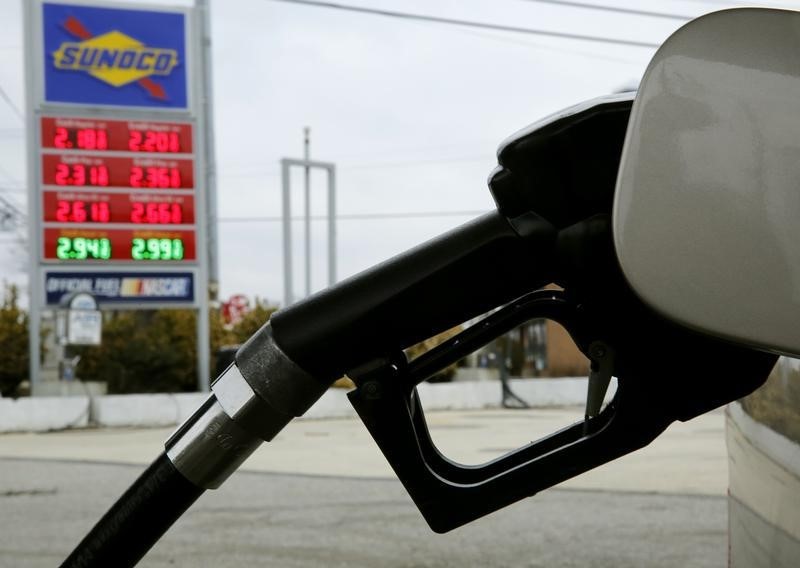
(153, 410)
(42, 414)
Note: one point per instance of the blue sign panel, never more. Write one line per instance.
(122, 287)
(111, 56)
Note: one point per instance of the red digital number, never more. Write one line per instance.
(92, 139)
(79, 174)
(61, 138)
(154, 141)
(154, 177)
(156, 213)
(76, 212)
(100, 212)
(62, 211)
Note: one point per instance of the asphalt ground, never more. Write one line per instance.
(321, 495)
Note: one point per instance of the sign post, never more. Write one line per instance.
(117, 154)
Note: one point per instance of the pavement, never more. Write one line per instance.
(321, 494)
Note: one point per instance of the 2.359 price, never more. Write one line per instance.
(156, 249)
(155, 177)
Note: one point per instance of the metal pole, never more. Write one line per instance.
(34, 274)
(207, 99)
(331, 226)
(287, 235)
(307, 187)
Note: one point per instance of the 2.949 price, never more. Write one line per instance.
(82, 248)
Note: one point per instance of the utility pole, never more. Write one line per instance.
(307, 187)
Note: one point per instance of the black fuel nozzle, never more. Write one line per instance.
(553, 188)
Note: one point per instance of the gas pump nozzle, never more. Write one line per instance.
(554, 190)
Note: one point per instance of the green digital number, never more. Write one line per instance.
(82, 248)
(63, 248)
(157, 249)
(137, 250)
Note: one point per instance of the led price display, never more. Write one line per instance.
(138, 208)
(119, 245)
(83, 248)
(135, 205)
(156, 248)
(116, 135)
(68, 170)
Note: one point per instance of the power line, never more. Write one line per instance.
(11, 104)
(617, 9)
(254, 172)
(469, 23)
(536, 45)
(358, 216)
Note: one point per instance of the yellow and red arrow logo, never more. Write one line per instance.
(115, 58)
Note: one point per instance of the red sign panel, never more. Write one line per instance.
(119, 245)
(100, 207)
(99, 171)
(116, 135)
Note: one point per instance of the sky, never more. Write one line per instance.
(410, 112)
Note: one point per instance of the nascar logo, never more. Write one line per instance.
(115, 58)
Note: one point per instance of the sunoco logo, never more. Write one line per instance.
(114, 58)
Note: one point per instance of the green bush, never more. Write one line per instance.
(155, 351)
(13, 342)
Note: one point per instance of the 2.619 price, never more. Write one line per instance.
(81, 212)
(156, 249)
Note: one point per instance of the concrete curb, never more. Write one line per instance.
(43, 414)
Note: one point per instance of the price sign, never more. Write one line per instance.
(113, 190)
(119, 245)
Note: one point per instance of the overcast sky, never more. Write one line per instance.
(411, 112)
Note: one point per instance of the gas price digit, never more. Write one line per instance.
(79, 174)
(155, 177)
(161, 213)
(156, 249)
(81, 138)
(154, 141)
(77, 212)
(82, 248)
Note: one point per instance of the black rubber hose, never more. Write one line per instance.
(137, 520)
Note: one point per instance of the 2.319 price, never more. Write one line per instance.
(79, 174)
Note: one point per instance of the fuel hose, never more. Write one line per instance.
(288, 364)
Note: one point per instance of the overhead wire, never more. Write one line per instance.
(469, 23)
(10, 103)
(616, 9)
(358, 216)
